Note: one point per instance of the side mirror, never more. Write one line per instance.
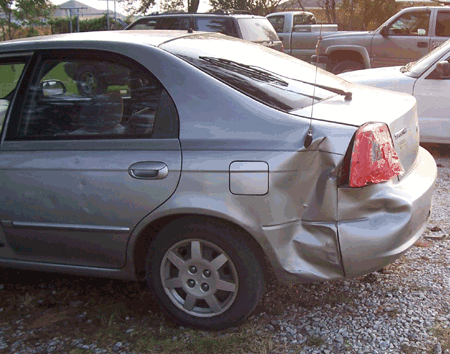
(384, 31)
(443, 69)
(50, 88)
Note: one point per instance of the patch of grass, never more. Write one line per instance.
(406, 349)
(80, 351)
(443, 336)
(315, 341)
(26, 301)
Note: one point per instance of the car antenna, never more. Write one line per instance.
(309, 135)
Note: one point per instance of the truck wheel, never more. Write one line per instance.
(89, 82)
(203, 273)
(347, 65)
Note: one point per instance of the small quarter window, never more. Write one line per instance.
(443, 24)
(10, 73)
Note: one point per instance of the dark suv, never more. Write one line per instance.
(252, 28)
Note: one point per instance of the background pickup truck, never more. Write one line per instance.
(405, 37)
(299, 32)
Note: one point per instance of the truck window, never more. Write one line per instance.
(277, 23)
(443, 24)
(411, 24)
(304, 19)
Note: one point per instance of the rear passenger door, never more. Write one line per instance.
(91, 148)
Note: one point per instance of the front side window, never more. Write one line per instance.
(84, 97)
(277, 23)
(411, 24)
(10, 72)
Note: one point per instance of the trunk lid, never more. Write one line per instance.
(368, 104)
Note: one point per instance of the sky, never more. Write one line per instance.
(102, 5)
(97, 4)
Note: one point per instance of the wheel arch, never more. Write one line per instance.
(337, 54)
(150, 231)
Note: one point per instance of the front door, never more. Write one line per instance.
(407, 39)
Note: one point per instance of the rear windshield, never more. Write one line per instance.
(257, 30)
(268, 76)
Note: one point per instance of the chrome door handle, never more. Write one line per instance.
(422, 44)
(148, 170)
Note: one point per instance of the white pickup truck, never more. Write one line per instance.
(299, 32)
(405, 37)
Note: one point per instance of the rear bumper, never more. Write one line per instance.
(380, 223)
(375, 225)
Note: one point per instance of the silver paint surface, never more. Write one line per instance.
(309, 227)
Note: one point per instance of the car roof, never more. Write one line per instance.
(86, 39)
(201, 14)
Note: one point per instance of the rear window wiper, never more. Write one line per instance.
(247, 70)
(267, 76)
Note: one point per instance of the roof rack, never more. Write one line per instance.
(233, 12)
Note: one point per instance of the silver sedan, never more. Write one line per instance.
(212, 164)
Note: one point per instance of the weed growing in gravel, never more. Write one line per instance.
(443, 336)
(315, 341)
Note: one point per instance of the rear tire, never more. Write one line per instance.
(203, 273)
(346, 66)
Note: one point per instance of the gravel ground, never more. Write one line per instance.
(402, 309)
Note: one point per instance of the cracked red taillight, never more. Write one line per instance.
(373, 157)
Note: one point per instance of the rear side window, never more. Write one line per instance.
(277, 23)
(257, 30)
(443, 24)
(215, 24)
(173, 23)
(87, 96)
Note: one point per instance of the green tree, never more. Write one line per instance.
(23, 12)
(7, 24)
(143, 7)
(365, 14)
(260, 7)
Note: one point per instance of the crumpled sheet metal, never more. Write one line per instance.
(374, 158)
(306, 247)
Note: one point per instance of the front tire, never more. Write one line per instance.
(204, 274)
(346, 66)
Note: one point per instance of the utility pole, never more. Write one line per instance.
(107, 13)
(69, 12)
